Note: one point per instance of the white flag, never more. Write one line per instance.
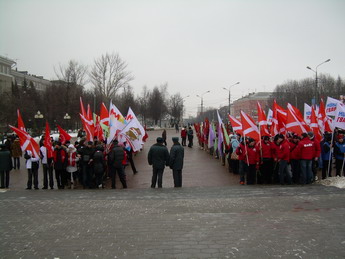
(307, 113)
(331, 106)
(339, 120)
(133, 132)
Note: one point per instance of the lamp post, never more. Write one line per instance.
(67, 118)
(39, 116)
(316, 79)
(183, 107)
(202, 101)
(228, 89)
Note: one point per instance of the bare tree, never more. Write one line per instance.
(175, 107)
(157, 104)
(109, 74)
(143, 104)
(73, 74)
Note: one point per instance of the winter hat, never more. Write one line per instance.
(175, 139)
(160, 140)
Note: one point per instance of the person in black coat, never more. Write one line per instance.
(99, 166)
(158, 157)
(115, 158)
(5, 166)
(176, 161)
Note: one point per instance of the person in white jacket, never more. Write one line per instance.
(32, 164)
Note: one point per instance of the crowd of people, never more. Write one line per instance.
(283, 159)
(86, 164)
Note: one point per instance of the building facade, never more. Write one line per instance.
(248, 104)
(39, 82)
(5, 74)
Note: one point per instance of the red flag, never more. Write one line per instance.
(262, 121)
(82, 109)
(248, 126)
(104, 114)
(87, 127)
(236, 125)
(28, 142)
(98, 130)
(21, 125)
(314, 126)
(282, 112)
(324, 122)
(293, 123)
(48, 142)
(64, 136)
(299, 116)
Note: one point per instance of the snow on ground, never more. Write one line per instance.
(334, 181)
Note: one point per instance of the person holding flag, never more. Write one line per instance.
(32, 167)
(339, 153)
(47, 163)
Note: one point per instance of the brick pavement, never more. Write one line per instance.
(195, 222)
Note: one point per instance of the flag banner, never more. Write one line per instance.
(133, 133)
(262, 121)
(64, 136)
(235, 124)
(104, 115)
(28, 142)
(211, 136)
(220, 135)
(339, 120)
(47, 141)
(294, 123)
(116, 122)
(307, 113)
(314, 125)
(325, 123)
(89, 130)
(131, 116)
(331, 106)
(21, 125)
(269, 117)
(248, 126)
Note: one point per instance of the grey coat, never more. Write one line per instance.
(176, 157)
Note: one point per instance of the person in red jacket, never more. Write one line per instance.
(294, 159)
(307, 152)
(266, 151)
(183, 136)
(243, 166)
(315, 163)
(283, 157)
(252, 158)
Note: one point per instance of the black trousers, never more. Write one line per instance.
(61, 178)
(325, 164)
(295, 168)
(266, 170)
(48, 175)
(157, 174)
(177, 174)
(184, 141)
(338, 166)
(32, 173)
(5, 179)
(130, 159)
(16, 162)
(251, 175)
(121, 172)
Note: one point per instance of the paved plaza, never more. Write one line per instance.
(210, 217)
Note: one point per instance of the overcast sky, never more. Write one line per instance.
(194, 46)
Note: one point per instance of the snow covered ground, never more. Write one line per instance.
(334, 181)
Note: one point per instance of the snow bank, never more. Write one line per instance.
(334, 181)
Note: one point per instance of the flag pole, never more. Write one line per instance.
(330, 155)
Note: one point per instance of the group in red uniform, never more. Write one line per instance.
(279, 160)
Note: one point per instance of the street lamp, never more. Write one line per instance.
(39, 116)
(183, 106)
(202, 101)
(228, 89)
(67, 118)
(316, 79)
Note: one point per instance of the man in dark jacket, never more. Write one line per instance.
(115, 159)
(60, 164)
(86, 159)
(158, 157)
(5, 166)
(176, 161)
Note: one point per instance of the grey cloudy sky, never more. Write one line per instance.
(194, 46)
